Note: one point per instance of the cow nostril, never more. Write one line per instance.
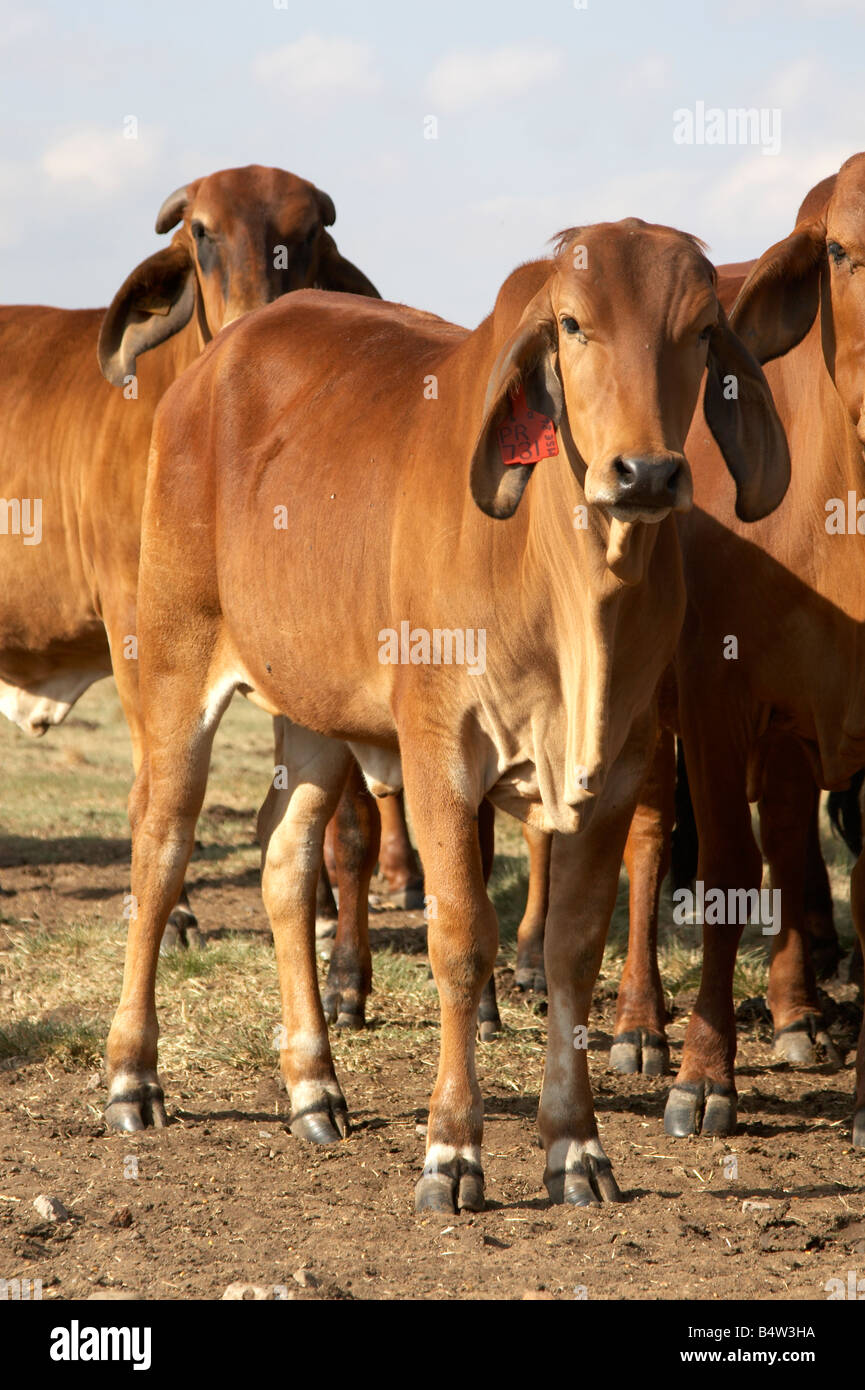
(673, 479)
(624, 471)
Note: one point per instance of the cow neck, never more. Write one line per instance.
(581, 609)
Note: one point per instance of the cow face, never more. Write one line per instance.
(613, 347)
(819, 267)
(245, 237)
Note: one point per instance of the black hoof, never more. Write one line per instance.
(640, 1050)
(588, 1184)
(859, 1129)
(695, 1107)
(350, 1018)
(530, 979)
(181, 932)
(136, 1108)
(409, 899)
(324, 1123)
(806, 1042)
(489, 1027)
(340, 1013)
(457, 1186)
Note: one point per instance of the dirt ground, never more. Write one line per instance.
(226, 1194)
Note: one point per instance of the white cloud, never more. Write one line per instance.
(337, 66)
(764, 195)
(100, 160)
(516, 72)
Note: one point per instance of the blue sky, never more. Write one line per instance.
(548, 115)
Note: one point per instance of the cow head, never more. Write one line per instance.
(613, 346)
(819, 267)
(245, 236)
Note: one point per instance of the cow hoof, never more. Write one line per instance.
(137, 1107)
(489, 1028)
(451, 1187)
(640, 1050)
(181, 932)
(409, 899)
(325, 1122)
(589, 1183)
(806, 1042)
(859, 1129)
(340, 1013)
(695, 1107)
(531, 979)
(350, 1018)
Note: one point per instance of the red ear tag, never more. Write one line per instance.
(526, 436)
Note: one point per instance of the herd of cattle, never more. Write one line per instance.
(283, 485)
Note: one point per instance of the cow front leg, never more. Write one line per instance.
(463, 940)
(640, 1038)
(530, 933)
(356, 825)
(291, 826)
(584, 876)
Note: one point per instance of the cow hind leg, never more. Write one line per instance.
(857, 903)
(489, 1020)
(163, 808)
(819, 914)
(640, 1039)
(463, 940)
(397, 859)
(530, 974)
(703, 1097)
(181, 930)
(356, 826)
(291, 828)
(788, 808)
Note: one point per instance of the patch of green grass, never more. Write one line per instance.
(69, 1044)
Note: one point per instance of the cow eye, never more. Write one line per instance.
(836, 251)
(198, 230)
(572, 328)
(706, 333)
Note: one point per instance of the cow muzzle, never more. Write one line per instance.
(641, 487)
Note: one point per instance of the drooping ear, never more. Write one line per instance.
(527, 360)
(741, 414)
(336, 273)
(778, 302)
(152, 304)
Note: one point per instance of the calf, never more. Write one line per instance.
(402, 447)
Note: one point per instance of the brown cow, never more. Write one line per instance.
(787, 714)
(405, 509)
(75, 449)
